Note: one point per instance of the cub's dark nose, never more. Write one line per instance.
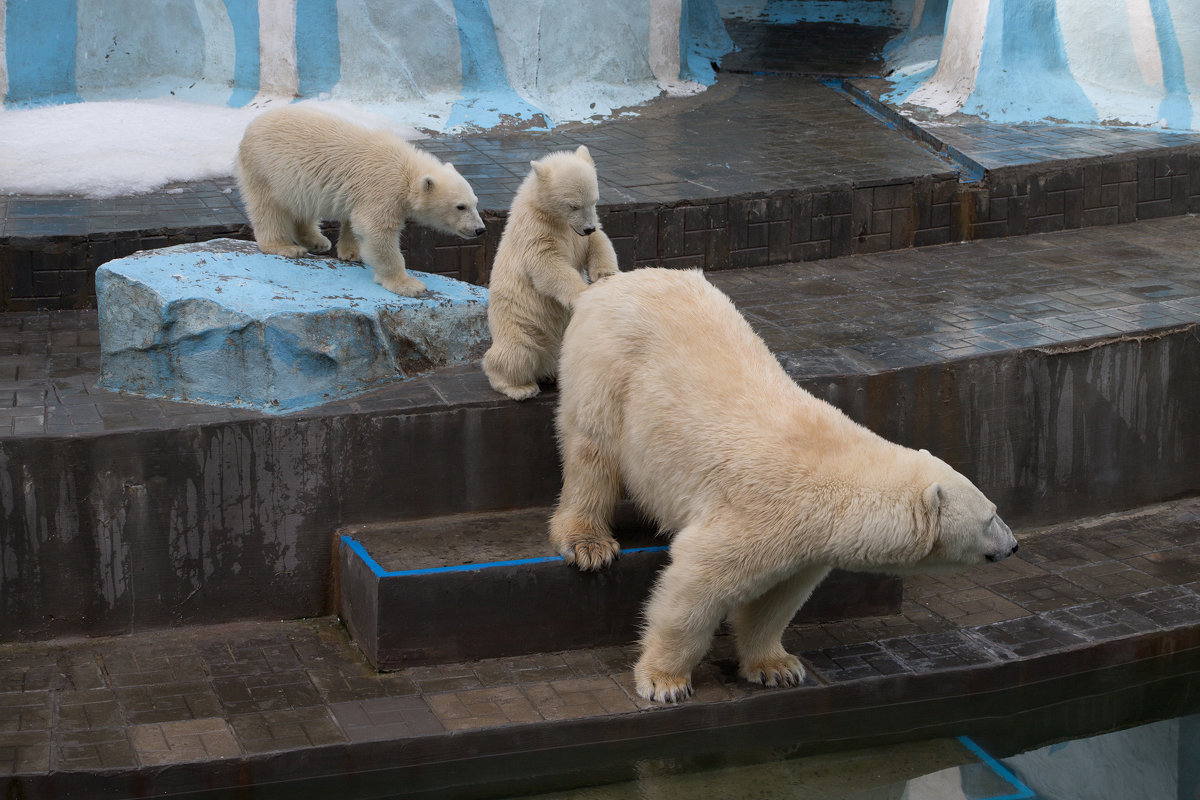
(480, 231)
(589, 230)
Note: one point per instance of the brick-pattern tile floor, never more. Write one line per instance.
(238, 690)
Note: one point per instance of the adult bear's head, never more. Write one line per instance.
(963, 526)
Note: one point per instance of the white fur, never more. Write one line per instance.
(297, 166)
(551, 239)
(665, 389)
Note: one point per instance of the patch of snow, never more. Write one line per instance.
(125, 147)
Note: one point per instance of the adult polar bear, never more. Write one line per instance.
(665, 388)
(296, 166)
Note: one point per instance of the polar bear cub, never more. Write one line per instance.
(665, 389)
(551, 239)
(296, 166)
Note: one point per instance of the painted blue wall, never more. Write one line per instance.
(40, 51)
(244, 16)
(1026, 65)
(318, 47)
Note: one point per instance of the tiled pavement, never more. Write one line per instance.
(231, 693)
(863, 313)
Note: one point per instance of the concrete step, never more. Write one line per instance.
(471, 586)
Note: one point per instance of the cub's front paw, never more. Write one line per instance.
(348, 252)
(285, 250)
(522, 392)
(595, 277)
(405, 285)
(661, 687)
(785, 670)
(319, 244)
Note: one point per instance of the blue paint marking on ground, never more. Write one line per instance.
(318, 47)
(40, 39)
(380, 572)
(243, 14)
(487, 93)
(1020, 790)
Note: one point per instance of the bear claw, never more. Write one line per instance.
(779, 672)
(591, 556)
(673, 692)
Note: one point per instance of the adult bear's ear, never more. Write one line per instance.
(932, 498)
(584, 153)
(427, 183)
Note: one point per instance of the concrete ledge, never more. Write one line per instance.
(451, 588)
(201, 521)
(224, 324)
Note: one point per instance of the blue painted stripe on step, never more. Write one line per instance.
(380, 572)
(1023, 792)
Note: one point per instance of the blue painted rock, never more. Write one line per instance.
(221, 323)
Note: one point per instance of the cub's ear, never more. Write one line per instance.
(584, 153)
(451, 167)
(539, 168)
(427, 183)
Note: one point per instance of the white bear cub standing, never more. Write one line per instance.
(665, 389)
(297, 166)
(552, 237)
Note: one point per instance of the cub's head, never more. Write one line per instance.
(962, 523)
(567, 189)
(448, 203)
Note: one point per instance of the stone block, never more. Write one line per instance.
(221, 323)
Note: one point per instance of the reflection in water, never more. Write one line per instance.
(1159, 761)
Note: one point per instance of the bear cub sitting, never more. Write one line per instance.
(296, 166)
(551, 239)
(666, 390)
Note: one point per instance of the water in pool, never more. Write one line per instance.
(1157, 761)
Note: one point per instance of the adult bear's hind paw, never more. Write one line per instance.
(784, 671)
(662, 688)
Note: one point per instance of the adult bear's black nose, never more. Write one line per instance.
(589, 230)
(480, 231)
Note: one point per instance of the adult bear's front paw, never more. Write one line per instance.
(591, 554)
(587, 547)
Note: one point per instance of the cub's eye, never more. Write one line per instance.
(461, 206)
(575, 207)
